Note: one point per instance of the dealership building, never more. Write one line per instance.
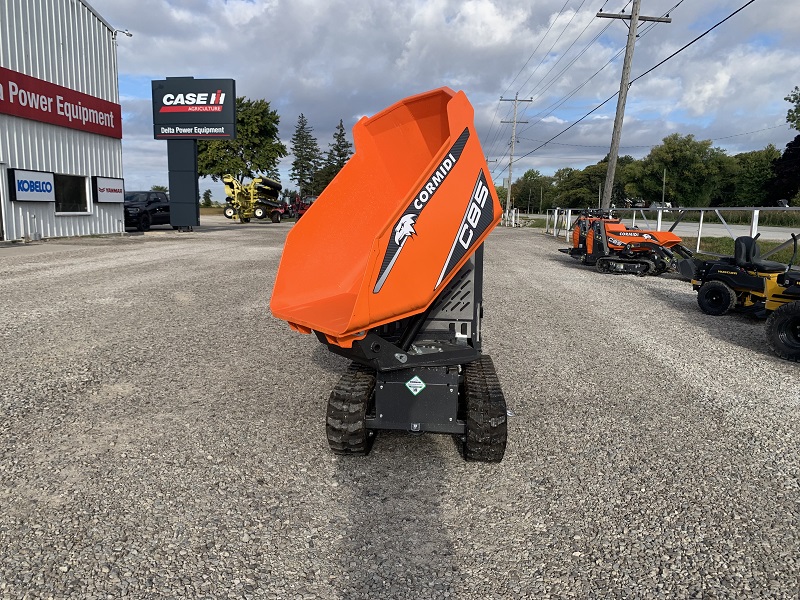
(60, 121)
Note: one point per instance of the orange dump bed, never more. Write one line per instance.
(619, 235)
(399, 220)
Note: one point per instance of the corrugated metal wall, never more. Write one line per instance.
(64, 42)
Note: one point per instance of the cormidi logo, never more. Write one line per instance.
(404, 227)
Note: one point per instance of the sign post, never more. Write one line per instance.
(185, 110)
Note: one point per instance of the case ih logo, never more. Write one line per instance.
(186, 108)
(192, 102)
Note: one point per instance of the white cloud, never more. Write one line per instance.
(337, 59)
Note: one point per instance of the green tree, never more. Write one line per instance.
(793, 116)
(159, 188)
(206, 199)
(695, 173)
(502, 193)
(785, 184)
(307, 157)
(579, 188)
(256, 150)
(339, 152)
(753, 176)
(532, 190)
(625, 173)
(565, 181)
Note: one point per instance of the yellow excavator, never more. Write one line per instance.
(257, 199)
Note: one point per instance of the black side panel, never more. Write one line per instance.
(455, 314)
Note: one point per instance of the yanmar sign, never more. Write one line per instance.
(108, 189)
(38, 100)
(188, 108)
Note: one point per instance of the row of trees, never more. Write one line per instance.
(681, 170)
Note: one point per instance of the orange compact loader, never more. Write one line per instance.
(396, 286)
(601, 239)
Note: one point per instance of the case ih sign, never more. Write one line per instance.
(31, 98)
(188, 108)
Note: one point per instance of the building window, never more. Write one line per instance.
(70, 192)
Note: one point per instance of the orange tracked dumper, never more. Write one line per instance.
(396, 286)
(601, 239)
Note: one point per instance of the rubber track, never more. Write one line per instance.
(486, 418)
(347, 409)
(604, 266)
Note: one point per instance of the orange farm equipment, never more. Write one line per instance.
(398, 289)
(604, 241)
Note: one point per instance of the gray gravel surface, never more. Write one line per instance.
(162, 436)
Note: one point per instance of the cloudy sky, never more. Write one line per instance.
(343, 59)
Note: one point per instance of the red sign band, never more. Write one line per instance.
(38, 100)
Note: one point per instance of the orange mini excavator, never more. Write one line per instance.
(602, 240)
(396, 286)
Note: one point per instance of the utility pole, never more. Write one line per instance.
(623, 91)
(516, 101)
(541, 198)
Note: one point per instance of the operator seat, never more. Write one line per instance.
(747, 255)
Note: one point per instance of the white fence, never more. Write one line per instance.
(510, 218)
(559, 221)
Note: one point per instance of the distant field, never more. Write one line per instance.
(211, 210)
(724, 245)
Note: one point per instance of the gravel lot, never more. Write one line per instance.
(162, 436)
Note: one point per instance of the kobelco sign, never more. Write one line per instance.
(31, 186)
(188, 108)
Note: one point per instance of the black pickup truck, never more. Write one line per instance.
(143, 209)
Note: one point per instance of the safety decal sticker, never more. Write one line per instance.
(415, 385)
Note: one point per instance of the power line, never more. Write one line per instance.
(493, 133)
(574, 60)
(558, 103)
(537, 47)
(749, 132)
(606, 101)
(702, 35)
(491, 126)
(555, 42)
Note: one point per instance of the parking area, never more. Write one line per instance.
(162, 436)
